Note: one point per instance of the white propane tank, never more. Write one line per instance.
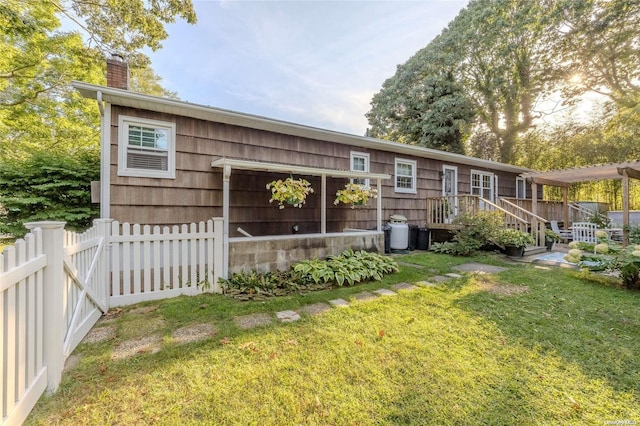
(399, 236)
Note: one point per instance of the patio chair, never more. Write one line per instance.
(565, 235)
(584, 231)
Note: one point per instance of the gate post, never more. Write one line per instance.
(53, 315)
(103, 227)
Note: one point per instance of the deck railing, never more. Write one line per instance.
(441, 211)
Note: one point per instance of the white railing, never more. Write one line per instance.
(54, 286)
(442, 210)
(151, 264)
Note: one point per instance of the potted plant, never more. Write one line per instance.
(289, 191)
(355, 194)
(550, 237)
(514, 241)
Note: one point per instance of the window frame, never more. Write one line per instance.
(124, 122)
(493, 180)
(366, 157)
(519, 194)
(414, 180)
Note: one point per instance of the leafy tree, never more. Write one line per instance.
(599, 43)
(41, 115)
(489, 57)
(47, 186)
(422, 104)
(502, 65)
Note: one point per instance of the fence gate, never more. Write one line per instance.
(85, 288)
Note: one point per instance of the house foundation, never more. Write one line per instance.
(271, 253)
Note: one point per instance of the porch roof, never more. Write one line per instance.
(299, 170)
(566, 177)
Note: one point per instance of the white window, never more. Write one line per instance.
(406, 171)
(146, 148)
(521, 189)
(360, 163)
(483, 184)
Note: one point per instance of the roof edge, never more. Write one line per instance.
(138, 100)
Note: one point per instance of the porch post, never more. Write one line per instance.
(323, 205)
(625, 207)
(565, 206)
(534, 198)
(226, 177)
(379, 205)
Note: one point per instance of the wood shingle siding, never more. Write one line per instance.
(196, 192)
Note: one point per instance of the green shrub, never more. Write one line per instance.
(477, 229)
(47, 186)
(349, 268)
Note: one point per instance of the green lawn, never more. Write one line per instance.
(527, 346)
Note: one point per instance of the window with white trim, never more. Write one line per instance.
(146, 148)
(483, 184)
(360, 163)
(406, 171)
(521, 189)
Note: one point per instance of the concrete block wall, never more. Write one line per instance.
(271, 253)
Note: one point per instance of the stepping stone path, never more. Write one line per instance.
(315, 309)
(339, 303)
(153, 343)
(364, 296)
(479, 268)
(288, 316)
(404, 286)
(253, 320)
(385, 292)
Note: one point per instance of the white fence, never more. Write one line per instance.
(55, 284)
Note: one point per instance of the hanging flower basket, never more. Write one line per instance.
(290, 191)
(355, 194)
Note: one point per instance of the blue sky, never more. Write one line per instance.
(316, 63)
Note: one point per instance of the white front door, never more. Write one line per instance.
(449, 180)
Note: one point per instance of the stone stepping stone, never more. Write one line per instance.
(315, 308)
(339, 303)
(288, 316)
(426, 284)
(411, 265)
(194, 333)
(479, 268)
(453, 275)
(144, 345)
(385, 292)
(439, 278)
(100, 334)
(253, 320)
(404, 286)
(365, 295)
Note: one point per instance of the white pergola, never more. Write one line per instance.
(564, 178)
(228, 164)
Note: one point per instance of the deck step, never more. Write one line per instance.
(531, 250)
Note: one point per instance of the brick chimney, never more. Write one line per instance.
(117, 72)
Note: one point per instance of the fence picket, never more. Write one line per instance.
(21, 334)
(126, 261)
(146, 260)
(9, 384)
(157, 260)
(136, 260)
(115, 262)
